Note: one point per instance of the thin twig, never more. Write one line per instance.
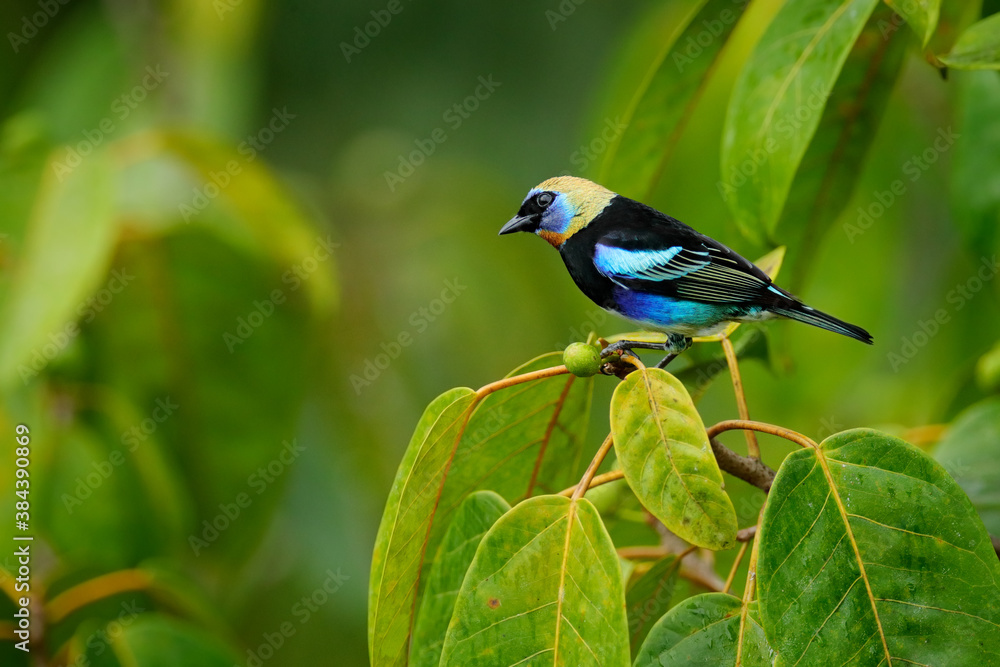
(750, 470)
(644, 553)
(540, 374)
(736, 566)
(750, 590)
(780, 431)
(599, 480)
(699, 579)
(96, 589)
(653, 553)
(753, 448)
(746, 534)
(588, 476)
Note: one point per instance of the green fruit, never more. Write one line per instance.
(582, 360)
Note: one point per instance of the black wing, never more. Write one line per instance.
(662, 255)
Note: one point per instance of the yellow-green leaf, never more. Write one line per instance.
(978, 47)
(668, 462)
(921, 15)
(68, 245)
(777, 104)
(400, 544)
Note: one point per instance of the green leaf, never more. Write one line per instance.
(649, 597)
(710, 629)
(664, 102)
(978, 47)
(518, 440)
(155, 640)
(476, 515)
(544, 589)
(970, 452)
(524, 440)
(921, 15)
(777, 103)
(869, 550)
(401, 540)
(975, 172)
(664, 451)
(830, 167)
(68, 246)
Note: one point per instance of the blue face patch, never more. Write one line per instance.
(558, 216)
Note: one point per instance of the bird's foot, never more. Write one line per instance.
(673, 346)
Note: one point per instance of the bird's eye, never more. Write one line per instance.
(544, 199)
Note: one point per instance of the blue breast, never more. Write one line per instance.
(670, 314)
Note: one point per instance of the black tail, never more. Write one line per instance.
(802, 313)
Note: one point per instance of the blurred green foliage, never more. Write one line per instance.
(220, 322)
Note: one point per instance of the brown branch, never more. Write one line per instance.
(761, 427)
(752, 471)
(644, 553)
(996, 543)
(746, 534)
(654, 553)
(699, 579)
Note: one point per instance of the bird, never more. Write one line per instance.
(654, 270)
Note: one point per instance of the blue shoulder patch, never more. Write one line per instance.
(663, 264)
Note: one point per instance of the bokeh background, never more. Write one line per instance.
(243, 247)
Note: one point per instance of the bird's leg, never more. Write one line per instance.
(629, 345)
(676, 343)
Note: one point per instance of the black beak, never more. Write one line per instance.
(519, 223)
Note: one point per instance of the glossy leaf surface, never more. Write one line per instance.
(871, 554)
(777, 104)
(709, 630)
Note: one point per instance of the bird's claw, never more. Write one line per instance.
(675, 344)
